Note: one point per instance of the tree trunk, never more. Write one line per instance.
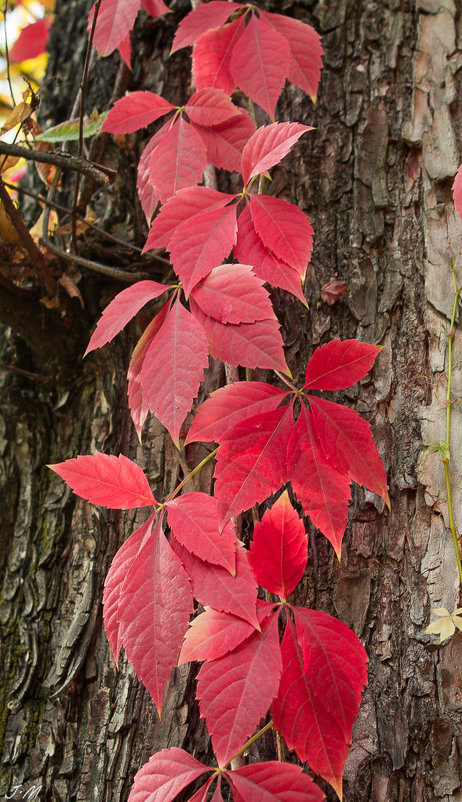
(375, 178)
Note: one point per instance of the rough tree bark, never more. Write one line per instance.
(375, 178)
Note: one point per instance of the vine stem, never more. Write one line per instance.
(446, 458)
(251, 740)
(190, 475)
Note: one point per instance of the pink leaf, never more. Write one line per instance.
(251, 345)
(346, 440)
(457, 191)
(324, 672)
(260, 63)
(115, 19)
(200, 20)
(155, 7)
(31, 42)
(108, 481)
(139, 408)
(179, 208)
(284, 229)
(339, 364)
(193, 519)
(305, 62)
(173, 368)
(249, 249)
(215, 586)
(279, 547)
(119, 570)
(267, 146)
(323, 491)
(178, 161)
(212, 56)
(165, 776)
(135, 111)
(230, 405)
(251, 461)
(213, 634)
(236, 690)
(210, 107)
(154, 608)
(225, 142)
(125, 50)
(148, 195)
(274, 782)
(122, 309)
(201, 243)
(233, 294)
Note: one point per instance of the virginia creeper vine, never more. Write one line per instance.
(268, 437)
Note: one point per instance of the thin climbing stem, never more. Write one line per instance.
(251, 740)
(192, 473)
(447, 456)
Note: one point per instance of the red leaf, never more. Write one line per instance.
(284, 229)
(125, 50)
(339, 364)
(155, 7)
(212, 56)
(251, 345)
(148, 195)
(193, 519)
(154, 608)
(173, 368)
(324, 672)
(279, 547)
(108, 481)
(225, 142)
(457, 191)
(201, 243)
(136, 401)
(120, 568)
(332, 291)
(165, 775)
(115, 19)
(260, 63)
(322, 490)
(135, 111)
(249, 249)
(267, 146)
(178, 161)
(233, 294)
(210, 107)
(31, 42)
(236, 690)
(182, 206)
(215, 586)
(274, 782)
(346, 440)
(122, 308)
(305, 62)
(251, 461)
(213, 634)
(230, 405)
(200, 20)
